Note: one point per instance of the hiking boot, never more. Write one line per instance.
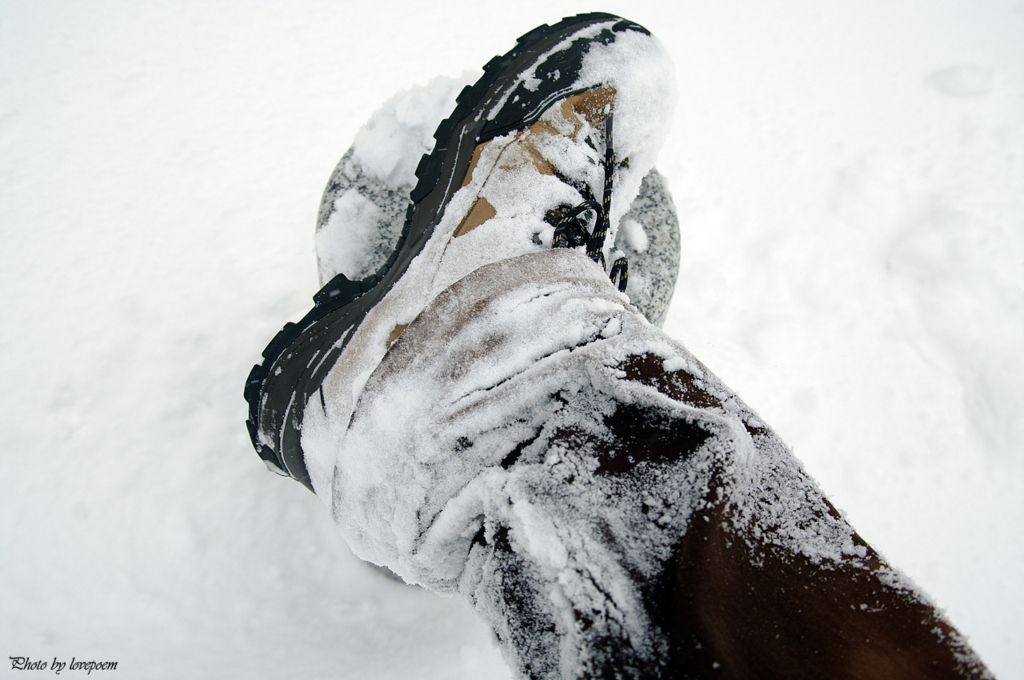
(363, 208)
(529, 160)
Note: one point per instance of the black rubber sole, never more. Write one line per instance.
(301, 355)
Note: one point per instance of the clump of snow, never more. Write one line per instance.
(392, 142)
(675, 363)
(641, 72)
(344, 242)
(635, 235)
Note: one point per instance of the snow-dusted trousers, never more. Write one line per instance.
(606, 504)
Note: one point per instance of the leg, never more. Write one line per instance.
(606, 504)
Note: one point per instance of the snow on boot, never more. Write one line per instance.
(363, 207)
(540, 115)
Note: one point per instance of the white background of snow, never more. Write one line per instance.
(853, 261)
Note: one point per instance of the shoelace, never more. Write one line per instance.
(570, 231)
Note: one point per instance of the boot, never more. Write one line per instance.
(557, 161)
(363, 208)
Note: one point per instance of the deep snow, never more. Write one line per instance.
(850, 184)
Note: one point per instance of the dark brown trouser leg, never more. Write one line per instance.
(736, 604)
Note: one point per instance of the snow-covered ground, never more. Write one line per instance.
(850, 182)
